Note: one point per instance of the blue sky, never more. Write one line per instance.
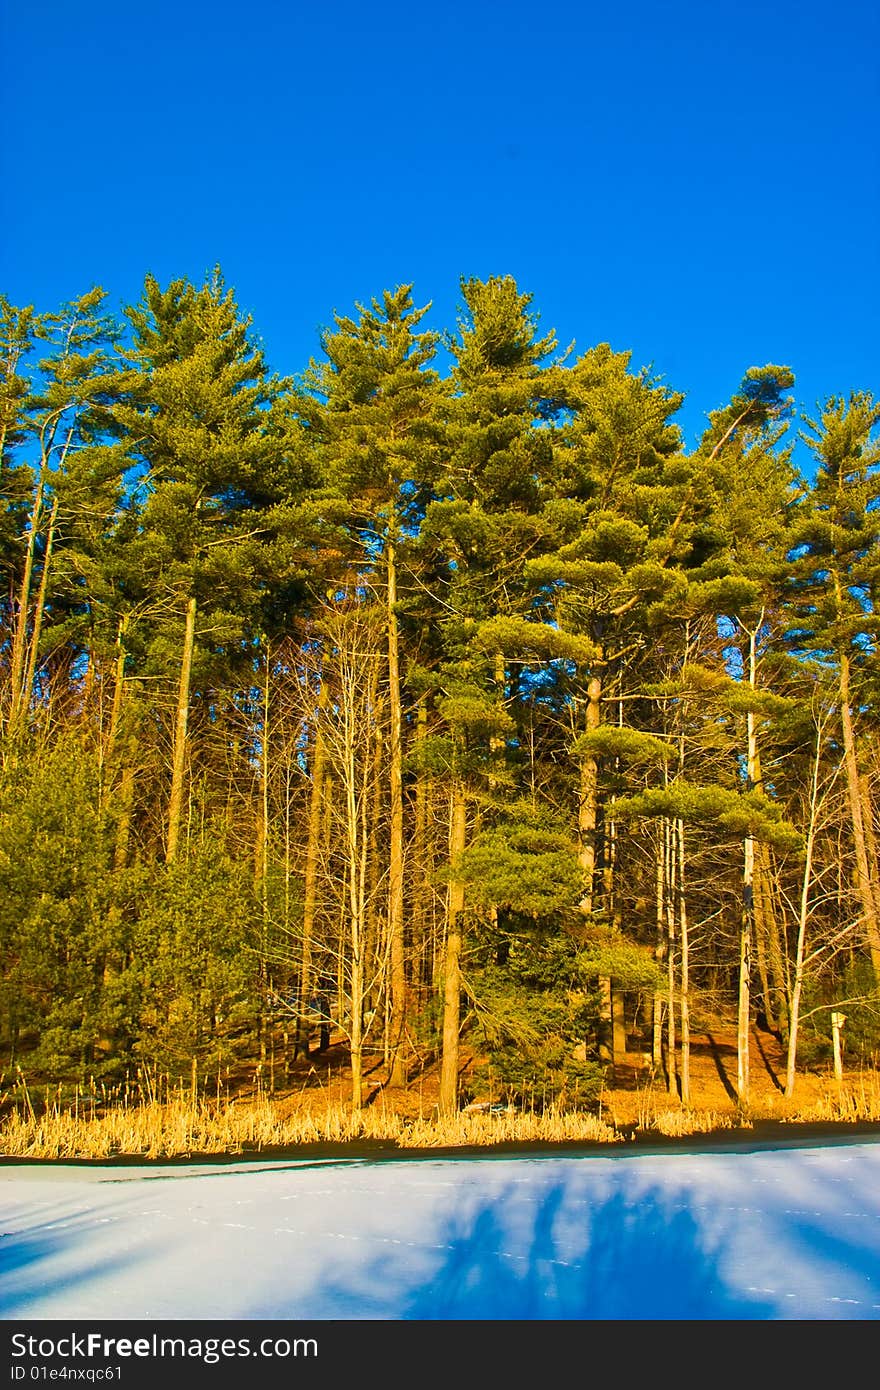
(698, 183)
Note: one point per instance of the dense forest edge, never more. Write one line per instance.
(430, 747)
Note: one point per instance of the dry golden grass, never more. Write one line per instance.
(817, 1100)
(510, 1126)
(858, 1098)
(682, 1121)
(180, 1128)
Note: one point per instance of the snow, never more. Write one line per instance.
(786, 1233)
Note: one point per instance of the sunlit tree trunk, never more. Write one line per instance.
(397, 1064)
(23, 661)
(123, 803)
(669, 877)
(423, 948)
(310, 884)
(18, 655)
(803, 918)
(262, 867)
(588, 800)
(743, 1016)
(377, 984)
(610, 895)
(684, 983)
(870, 838)
(116, 704)
(661, 945)
(745, 967)
(588, 816)
(767, 932)
(353, 756)
(40, 607)
(864, 883)
(452, 962)
(178, 765)
(768, 947)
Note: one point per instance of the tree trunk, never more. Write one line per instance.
(40, 608)
(376, 975)
(743, 1016)
(588, 800)
(768, 947)
(610, 897)
(356, 1034)
(356, 866)
(588, 816)
(870, 838)
(452, 969)
(668, 895)
(313, 851)
(397, 1065)
(124, 804)
(760, 941)
(21, 683)
(19, 640)
(660, 950)
(175, 803)
(116, 706)
(262, 868)
(870, 917)
(803, 917)
(605, 1030)
(423, 948)
(618, 1025)
(743, 999)
(683, 935)
(767, 926)
(264, 804)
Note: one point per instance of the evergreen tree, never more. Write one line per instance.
(75, 490)
(834, 621)
(741, 544)
(199, 419)
(376, 430)
(18, 328)
(66, 1008)
(481, 529)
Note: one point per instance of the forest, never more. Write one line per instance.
(439, 691)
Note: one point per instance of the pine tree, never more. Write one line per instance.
(376, 426)
(76, 486)
(63, 1004)
(198, 417)
(620, 490)
(481, 529)
(18, 329)
(834, 621)
(740, 464)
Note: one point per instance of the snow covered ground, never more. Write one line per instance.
(790, 1233)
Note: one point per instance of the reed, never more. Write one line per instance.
(154, 1121)
(857, 1099)
(679, 1122)
(179, 1127)
(517, 1126)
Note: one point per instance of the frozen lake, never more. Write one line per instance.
(787, 1233)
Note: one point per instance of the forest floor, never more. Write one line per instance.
(287, 1107)
(634, 1098)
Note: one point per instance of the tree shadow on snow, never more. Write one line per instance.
(628, 1261)
(548, 1257)
(37, 1263)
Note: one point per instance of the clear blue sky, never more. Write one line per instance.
(697, 181)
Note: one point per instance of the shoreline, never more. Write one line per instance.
(762, 1135)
